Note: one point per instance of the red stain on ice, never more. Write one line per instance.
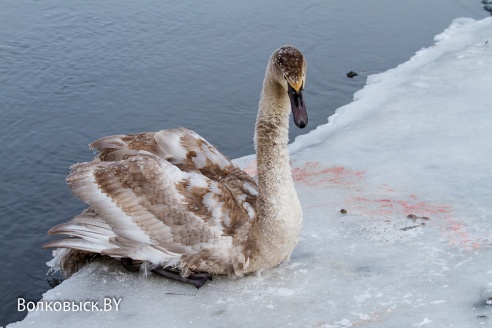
(440, 215)
(315, 174)
(387, 206)
(459, 236)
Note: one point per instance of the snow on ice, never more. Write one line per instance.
(410, 162)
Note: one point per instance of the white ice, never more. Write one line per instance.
(415, 140)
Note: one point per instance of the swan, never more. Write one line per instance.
(171, 201)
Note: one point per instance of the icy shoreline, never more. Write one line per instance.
(410, 161)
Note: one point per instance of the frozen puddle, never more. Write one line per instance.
(410, 162)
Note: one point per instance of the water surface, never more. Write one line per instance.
(72, 72)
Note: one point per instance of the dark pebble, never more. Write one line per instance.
(351, 74)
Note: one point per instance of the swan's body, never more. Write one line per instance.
(172, 199)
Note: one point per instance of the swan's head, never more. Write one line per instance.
(291, 74)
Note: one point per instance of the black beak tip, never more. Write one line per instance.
(302, 125)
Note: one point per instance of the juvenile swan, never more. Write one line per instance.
(172, 200)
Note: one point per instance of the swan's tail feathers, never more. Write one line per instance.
(88, 235)
(84, 243)
(78, 243)
(68, 260)
(87, 232)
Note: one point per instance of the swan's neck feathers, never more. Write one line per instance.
(271, 138)
(278, 208)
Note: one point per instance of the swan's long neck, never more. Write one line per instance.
(278, 210)
(271, 138)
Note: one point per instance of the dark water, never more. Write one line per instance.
(71, 72)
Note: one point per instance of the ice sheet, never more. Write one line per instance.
(410, 160)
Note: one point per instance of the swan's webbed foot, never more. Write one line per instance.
(131, 264)
(196, 279)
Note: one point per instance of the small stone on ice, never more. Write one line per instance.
(351, 74)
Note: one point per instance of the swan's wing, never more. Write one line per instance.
(190, 153)
(179, 146)
(145, 208)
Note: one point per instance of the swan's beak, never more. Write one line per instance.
(298, 106)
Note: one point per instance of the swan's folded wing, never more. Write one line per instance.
(189, 152)
(146, 208)
(178, 146)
